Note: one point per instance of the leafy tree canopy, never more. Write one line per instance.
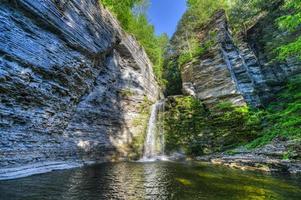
(132, 17)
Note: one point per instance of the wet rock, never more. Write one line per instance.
(279, 156)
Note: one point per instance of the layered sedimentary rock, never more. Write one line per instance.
(263, 38)
(72, 83)
(231, 71)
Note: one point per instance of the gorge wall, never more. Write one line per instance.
(73, 85)
(221, 73)
(238, 71)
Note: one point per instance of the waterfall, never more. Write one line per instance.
(154, 142)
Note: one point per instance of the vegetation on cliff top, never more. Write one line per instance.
(187, 122)
(243, 14)
(132, 16)
(184, 45)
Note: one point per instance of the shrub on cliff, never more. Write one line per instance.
(132, 17)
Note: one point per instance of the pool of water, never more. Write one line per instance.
(159, 180)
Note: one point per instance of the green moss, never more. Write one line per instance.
(283, 116)
(192, 128)
(197, 49)
(231, 152)
(141, 122)
(126, 93)
(138, 144)
(286, 155)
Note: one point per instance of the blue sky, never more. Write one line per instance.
(165, 14)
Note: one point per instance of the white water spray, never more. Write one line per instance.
(154, 143)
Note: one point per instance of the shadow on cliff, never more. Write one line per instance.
(60, 82)
(100, 122)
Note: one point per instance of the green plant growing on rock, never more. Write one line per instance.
(190, 127)
(287, 155)
(283, 116)
(196, 49)
(126, 93)
(140, 122)
(133, 18)
(173, 76)
(193, 50)
(291, 22)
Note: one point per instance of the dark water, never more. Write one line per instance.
(162, 180)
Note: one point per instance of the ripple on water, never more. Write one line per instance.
(152, 180)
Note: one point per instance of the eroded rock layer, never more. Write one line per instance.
(239, 72)
(72, 83)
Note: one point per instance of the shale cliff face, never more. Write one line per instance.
(72, 83)
(234, 71)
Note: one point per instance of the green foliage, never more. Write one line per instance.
(195, 50)
(122, 10)
(184, 58)
(200, 11)
(291, 49)
(183, 123)
(173, 67)
(291, 22)
(173, 76)
(185, 44)
(194, 129)
(245, 13)
(132, 17)
(287, 155)
(126, 93)
(141, 122)
(283, 116)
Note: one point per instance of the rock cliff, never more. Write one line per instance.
(238, 71)
(73, 85)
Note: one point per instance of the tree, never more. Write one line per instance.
(132, 17)
(122, 10)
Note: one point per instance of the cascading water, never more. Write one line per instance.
(154, 143)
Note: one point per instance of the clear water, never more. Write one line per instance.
(158, 180)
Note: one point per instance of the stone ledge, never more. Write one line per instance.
(253, 162)
(39, 168)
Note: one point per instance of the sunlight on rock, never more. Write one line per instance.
(84, 145)
(97, 103)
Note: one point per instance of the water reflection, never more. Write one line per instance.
(162, 180)
(157, 184)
